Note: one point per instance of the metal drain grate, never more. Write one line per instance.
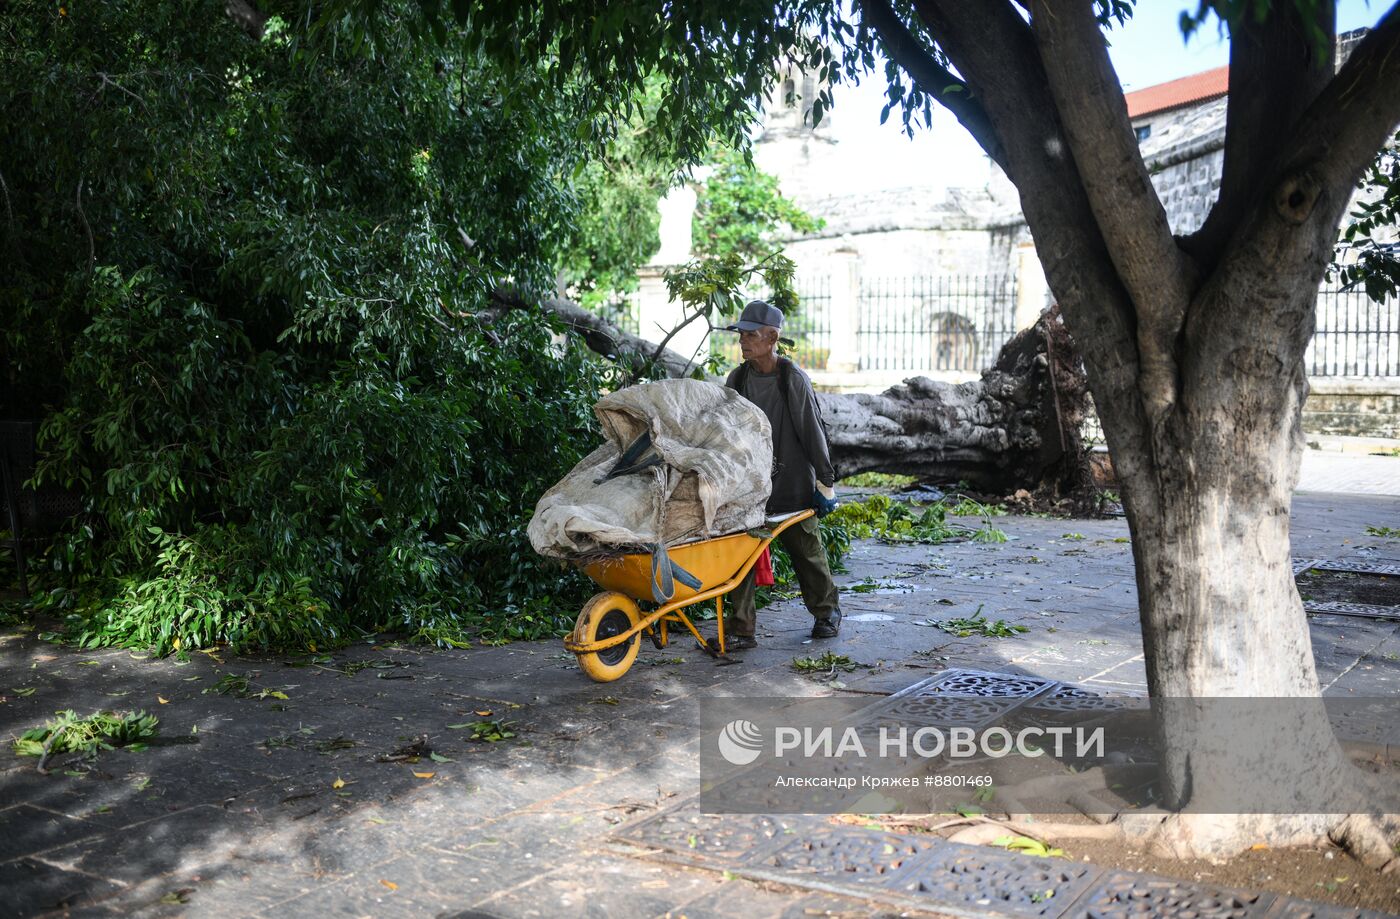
(1360, 610)
(1358, 567)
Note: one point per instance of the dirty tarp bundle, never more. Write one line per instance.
(683, 460)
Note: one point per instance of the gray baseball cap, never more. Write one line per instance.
(756, 315)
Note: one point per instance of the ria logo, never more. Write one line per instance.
(740, 742)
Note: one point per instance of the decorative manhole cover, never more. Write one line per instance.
(952, 711)
(981, 683)
(1360, 567)
(860, 856)
(1358, 591)
(1068, 702)
(996, 883)
(1132, 896)
(1360, 610)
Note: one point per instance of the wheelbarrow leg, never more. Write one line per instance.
(719, 620)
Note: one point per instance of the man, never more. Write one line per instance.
(802, 473)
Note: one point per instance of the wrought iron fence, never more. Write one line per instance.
(624, 312)
(944, 322)
(1355, 336)
(810, 327)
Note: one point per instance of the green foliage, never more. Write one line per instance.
(827, 662)
(240, 290)
(878, 480)
(1383, 532)
(1028, 846)
(100, 731)
(976, 624)
(491, 731)
(880, 517)
(618, 222)
(740, 211)
(1373, 266)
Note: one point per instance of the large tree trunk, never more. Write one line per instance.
(1194, 347)
(1222, 620)
(1019, 426)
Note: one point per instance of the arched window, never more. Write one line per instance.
(954, 342)
(789, 91)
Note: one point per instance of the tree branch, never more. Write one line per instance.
(247, 16)
(991, 46)
(1354, 114)
(1303, 192)
(87, 227)
(905, 49)
(1125, 206)
(599, 334)
(1275, 74)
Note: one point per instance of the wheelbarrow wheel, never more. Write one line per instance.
(606, 615)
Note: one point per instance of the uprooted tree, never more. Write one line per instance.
(1020, 426)
(1193, 345)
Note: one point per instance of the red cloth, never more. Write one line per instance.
(763, 570)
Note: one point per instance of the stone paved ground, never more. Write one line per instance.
(1350, 473)
(255, 806)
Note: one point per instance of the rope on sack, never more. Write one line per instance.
(664, 571)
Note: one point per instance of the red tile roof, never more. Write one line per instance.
(1199, 87)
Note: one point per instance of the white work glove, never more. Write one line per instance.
(827, 491)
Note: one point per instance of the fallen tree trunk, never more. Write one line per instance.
(1016, 427)
(1019, 426)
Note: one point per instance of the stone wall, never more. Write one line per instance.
(909, 252)
(1355, 407)
(1185, 155)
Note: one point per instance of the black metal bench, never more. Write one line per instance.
(30, 514)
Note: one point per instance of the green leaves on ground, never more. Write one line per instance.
(878, 480)
(976, 624)
(881, 517)
(827, 662)
(486, 731)
(240, 686)
(1029, 846)
(90, 734)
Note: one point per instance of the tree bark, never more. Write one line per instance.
(1019, 426)
(1195, 349)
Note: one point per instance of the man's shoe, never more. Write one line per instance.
(829, 627)
(734, 643)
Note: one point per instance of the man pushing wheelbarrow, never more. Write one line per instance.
(678, 504)
(802, 473)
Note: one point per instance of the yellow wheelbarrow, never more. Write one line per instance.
(608, 632)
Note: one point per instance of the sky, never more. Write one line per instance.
(1149, 49)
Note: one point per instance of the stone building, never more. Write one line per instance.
(903, 277)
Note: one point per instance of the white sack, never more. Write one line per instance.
(717, 452)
